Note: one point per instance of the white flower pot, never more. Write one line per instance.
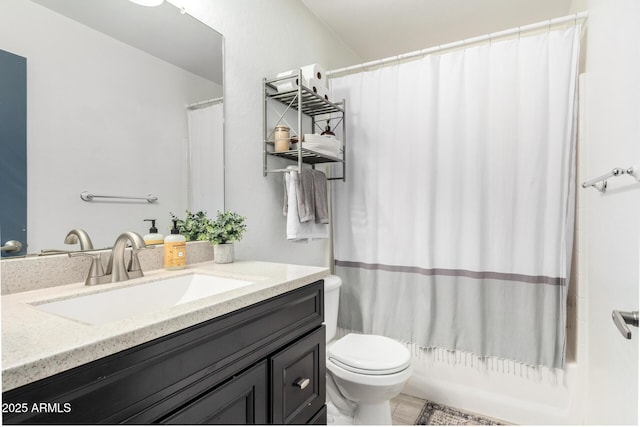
(223, 253)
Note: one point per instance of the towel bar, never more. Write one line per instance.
(632, 170)
(88, 197)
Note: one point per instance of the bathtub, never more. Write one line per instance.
(511, 397)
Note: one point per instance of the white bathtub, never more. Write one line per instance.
(504, 396)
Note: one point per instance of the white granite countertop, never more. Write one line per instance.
(37, 344)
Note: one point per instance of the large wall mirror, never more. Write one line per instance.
(122, 100)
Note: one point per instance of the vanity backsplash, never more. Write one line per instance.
(38, 272)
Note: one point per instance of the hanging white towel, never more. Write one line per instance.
(300, 231)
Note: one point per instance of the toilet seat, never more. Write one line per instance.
(369, 355)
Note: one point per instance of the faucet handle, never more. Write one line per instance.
(134, 269)
(96, 274)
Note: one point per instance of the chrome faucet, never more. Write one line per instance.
(116, 270)
(78, 234)
(116, 266)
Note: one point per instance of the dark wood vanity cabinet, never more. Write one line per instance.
(259, 365)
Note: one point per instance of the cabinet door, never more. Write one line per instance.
(298, 380)
(242, 400)
(320, 418)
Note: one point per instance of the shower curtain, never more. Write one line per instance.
(454, 228)
(206, 157)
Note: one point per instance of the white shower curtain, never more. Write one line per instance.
(454, 228)
(206, 159)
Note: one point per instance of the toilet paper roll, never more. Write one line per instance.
(313, 71)
(290, 84)
(312, 77)
(290, 73)
(287, 85)
(323, 92)
(315, 85)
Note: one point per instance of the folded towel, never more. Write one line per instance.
(329, 140)
(298, 231)
(323, 144)
(323, 149)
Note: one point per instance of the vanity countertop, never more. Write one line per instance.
(37, 344)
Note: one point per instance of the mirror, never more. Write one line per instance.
(123, 100)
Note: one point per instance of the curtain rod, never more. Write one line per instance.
(491, 36)
(203, 104)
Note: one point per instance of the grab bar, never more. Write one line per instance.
(87, 197)
(633, 171)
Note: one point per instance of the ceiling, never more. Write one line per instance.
(189, 44)
(376, 29)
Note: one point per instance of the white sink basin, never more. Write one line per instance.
(118, 304)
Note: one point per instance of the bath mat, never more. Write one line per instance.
(435, 414)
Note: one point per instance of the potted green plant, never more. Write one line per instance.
(226, 228)
(195, 226)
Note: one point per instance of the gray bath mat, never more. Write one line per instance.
(440, 415)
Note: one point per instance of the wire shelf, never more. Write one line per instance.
(312, 103)
(308, 156)
(305, 103)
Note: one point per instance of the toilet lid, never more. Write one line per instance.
(369, 354)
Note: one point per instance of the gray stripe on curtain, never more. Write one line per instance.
(487, 316)
(556, 281)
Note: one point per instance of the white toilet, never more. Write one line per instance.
(364, 372)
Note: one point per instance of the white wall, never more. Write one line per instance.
(609, 224)
(263, 38)
(102, 117)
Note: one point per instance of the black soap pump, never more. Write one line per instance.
(153, 237)
(327, 130)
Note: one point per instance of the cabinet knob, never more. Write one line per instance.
(302, 383)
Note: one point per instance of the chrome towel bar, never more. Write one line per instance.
(633, 171)
(88, 197)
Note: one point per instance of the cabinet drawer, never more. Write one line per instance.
(298, 379)
(242, 400)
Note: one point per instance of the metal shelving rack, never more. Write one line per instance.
(306, 103)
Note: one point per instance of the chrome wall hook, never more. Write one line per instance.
(601, 187)
(600, 183)
(624, 318)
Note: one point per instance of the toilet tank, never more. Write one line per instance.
(331, 300)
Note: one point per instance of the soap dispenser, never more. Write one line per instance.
(327, 130)
(175, 249)
(153, 237)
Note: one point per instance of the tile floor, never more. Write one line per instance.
(405, 409)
